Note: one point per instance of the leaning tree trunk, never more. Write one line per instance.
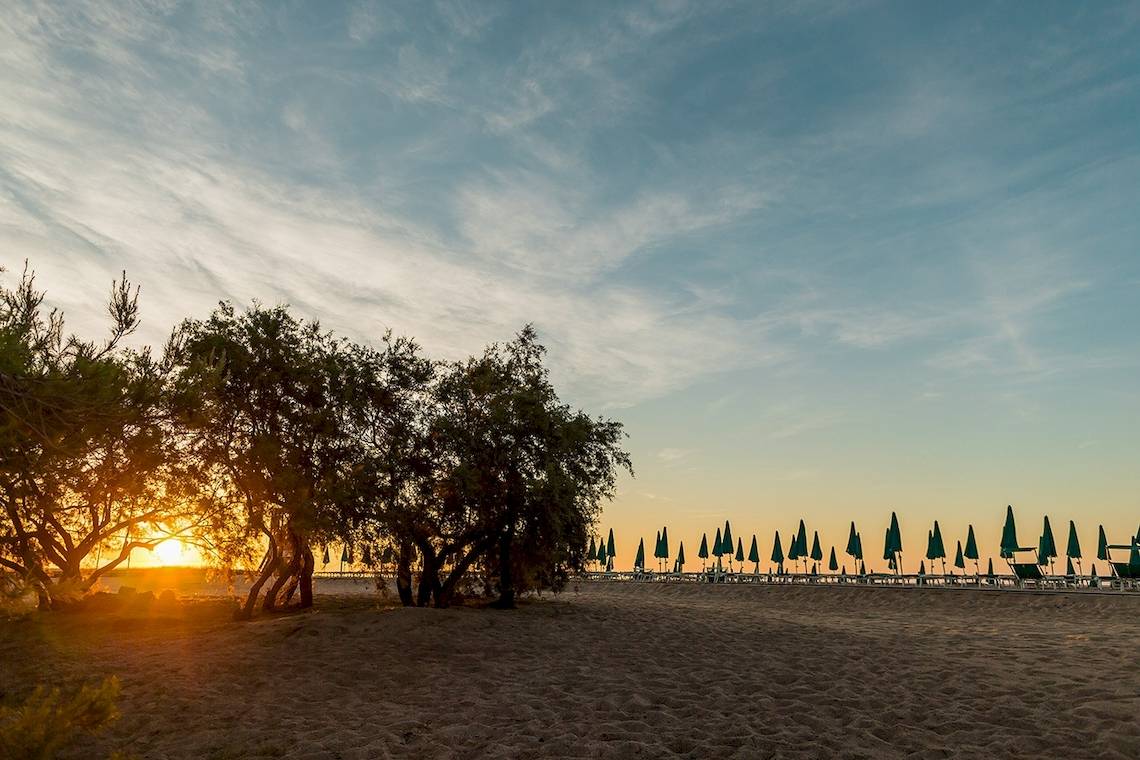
(446, 590)
(268, 565)
(288, 566)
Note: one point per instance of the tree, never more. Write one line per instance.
(266, 399)
(390, 413)
(519, 475)
(85, 446)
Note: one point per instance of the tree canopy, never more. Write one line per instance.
(262, 437)
(89, 462)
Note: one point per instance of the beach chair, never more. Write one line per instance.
(1128, 571)
(1026, 573)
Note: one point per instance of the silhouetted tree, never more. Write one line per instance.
(85, 449)
(520, 475)
(390, 413)
(266, 398)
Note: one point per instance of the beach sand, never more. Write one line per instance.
(613, 671)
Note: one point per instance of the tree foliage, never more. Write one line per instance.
(88, 470)
(261, 437)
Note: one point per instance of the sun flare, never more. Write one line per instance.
(169, 552)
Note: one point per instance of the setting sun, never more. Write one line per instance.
(169, 552)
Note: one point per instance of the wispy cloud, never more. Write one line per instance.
(454, 172)
(673, 455)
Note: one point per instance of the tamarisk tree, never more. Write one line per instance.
(85, 447)
(265, 398)
(520, 476)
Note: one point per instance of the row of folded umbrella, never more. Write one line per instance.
(725, 550)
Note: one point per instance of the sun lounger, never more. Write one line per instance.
(1026, 573)
(1127, 572)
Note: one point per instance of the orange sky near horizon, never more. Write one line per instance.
(832, 528)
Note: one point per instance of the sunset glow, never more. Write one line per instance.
(170, 552)
(485, 378)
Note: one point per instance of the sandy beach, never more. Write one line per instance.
(612, 671)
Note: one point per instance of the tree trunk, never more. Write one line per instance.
(308, 563)
(506, 580)
(246, 612)
(286, 574)
(447, 589)
(404, 574)
(429, 577)
(286, 571)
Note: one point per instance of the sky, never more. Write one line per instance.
(823, 259)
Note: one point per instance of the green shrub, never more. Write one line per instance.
(49, 720)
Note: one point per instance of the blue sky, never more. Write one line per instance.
(824, 259)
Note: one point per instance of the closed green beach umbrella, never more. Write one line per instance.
(681, 554)
(888, 554)
(971, 545)
(777, 551)
(852, 541)
(639, 560)
(1047, 546)
(325, 557)
(601, 553)
(344, 555)
(703, 551)
(939, 547)
(793, 548)
(657, 546)
(859, 546)
(1008, 535)
(739, 550)
(895, 534)
(664, 543)
(610, 553)
(801, 541)
(592, 552)
(1069, 566)
(816, 549)
(727, 538)
(990, 568)
(921, 568)
(718, 545)
(1073, 549)
(930, 544)
(1095, 580)
(754, 551)
(832, 563)
(959, 558)
(1102, 545)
